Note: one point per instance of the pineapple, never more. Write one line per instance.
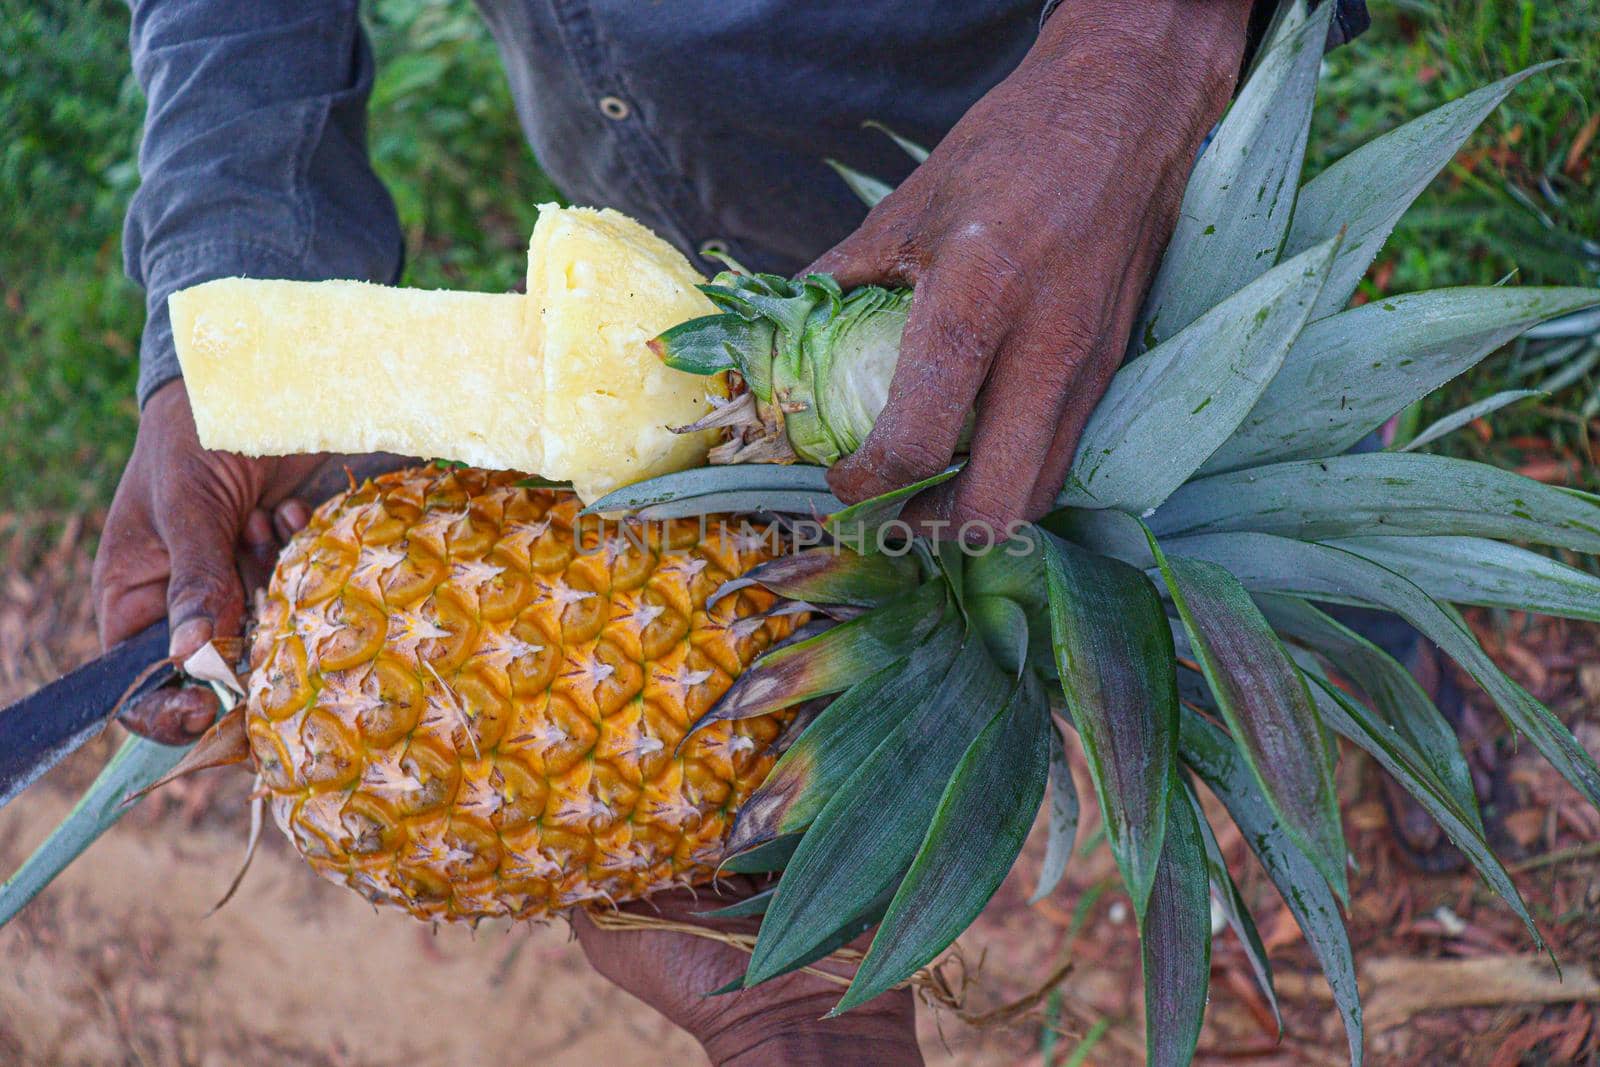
(466, 700)
(558, 383)
(1165, 611)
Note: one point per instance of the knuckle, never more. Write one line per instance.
(988, 506)
(200, 584)
(905, 461)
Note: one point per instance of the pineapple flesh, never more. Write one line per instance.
(466, 700)
(558, 383)
(600, 286)
(278, 367)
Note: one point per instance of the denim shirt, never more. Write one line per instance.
(707, 120)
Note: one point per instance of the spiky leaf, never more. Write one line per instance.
(1347, 374)
(1397, 493)
(703, 481)
(833, 660)
(137, 764)
(1175, 941)
(1356, 723)
(1278, 565)
(1234, 909)
(1470, 413)
(833, 576)
(1266, 704)
(1365, 193)
(1207, 750)
(1474, 570)
(1114, 655)
(977, 831)
(870, 829)
(1240, 196)
(1063, 826)
(828, 752)
(1166, 412)
(1408, 715)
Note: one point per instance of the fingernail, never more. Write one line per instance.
(188, 637)
(295, 515)
(258, 529)
(198, 721)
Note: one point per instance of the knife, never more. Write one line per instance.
(41, 730)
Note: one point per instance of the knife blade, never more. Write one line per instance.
(39, 731)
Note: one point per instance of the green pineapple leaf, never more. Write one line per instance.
(775, 501)
(1237, 206)
(847, 731)
(868, 190)
(869, 831)
(1279, 565)
(833, 660)
(1116, 671)
(1166, 412)
(1175, 940)
(1063, 827)
(771, 855)
(1208, 752)
(706, 481)
(1266, 705)
(1358, 725)
(754, 904)
(1470, 413)
(911, 148)
(977, 831)
(831, 576)
(1474, 570)
(1413, 721)
(1395, 493)
(138, 764)
(1234, 909)
(1349, 373)
(1365, 193)
(858, 527)
(1002, 623)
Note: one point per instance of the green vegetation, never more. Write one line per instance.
(1525, 196)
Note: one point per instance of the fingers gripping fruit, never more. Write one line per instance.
(466, 700)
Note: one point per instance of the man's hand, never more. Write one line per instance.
(1030, 234)
(778, 1022)
(187, 528)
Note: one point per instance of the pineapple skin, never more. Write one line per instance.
(464, 703)
(600, 286)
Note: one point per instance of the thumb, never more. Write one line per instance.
(205, 598)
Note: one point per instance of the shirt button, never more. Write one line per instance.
(615, 108)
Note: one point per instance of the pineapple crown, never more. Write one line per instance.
(1167, 611)
(809, 354)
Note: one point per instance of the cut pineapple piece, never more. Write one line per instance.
(558, 383)
(599, 287)
(278, 367)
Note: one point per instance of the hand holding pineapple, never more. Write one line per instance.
(1030, 233)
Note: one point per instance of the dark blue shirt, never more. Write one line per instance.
(708, 120)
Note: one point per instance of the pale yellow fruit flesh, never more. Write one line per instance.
(599, 287)
(279, 367)
(558, 383)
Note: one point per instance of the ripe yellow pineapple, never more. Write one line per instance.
(467, 700)
(559, 383)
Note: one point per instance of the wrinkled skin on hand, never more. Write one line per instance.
(1031, 234)
(777, 1022)
(189, 533)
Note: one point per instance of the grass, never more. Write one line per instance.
(1524, 196)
